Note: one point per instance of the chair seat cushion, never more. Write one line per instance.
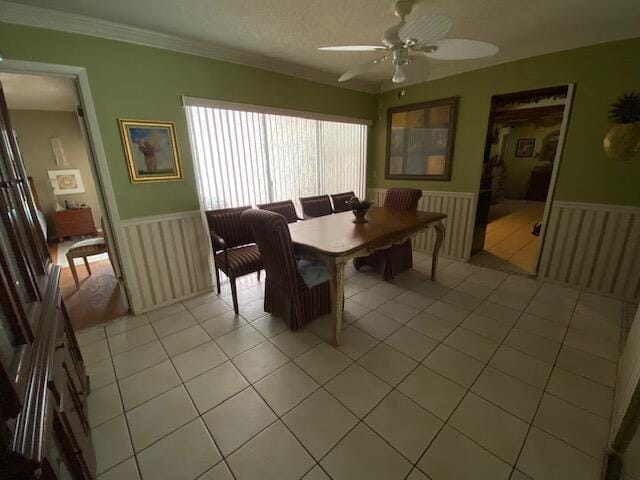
(313, 273)
(88, 247)
(88, 242)
(239, 261)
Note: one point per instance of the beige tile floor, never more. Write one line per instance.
(481, 375)
(509, 245)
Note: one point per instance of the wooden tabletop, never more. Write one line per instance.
(336, 235)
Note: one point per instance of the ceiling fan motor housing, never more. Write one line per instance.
(403, 8)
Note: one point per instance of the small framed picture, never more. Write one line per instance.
(524, 147)
(65, 182)
(151, 150)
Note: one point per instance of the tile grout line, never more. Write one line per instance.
(468, 389)
(126, 420)
(321, 386)
(181, 426)
(352, 361)
(535, 414)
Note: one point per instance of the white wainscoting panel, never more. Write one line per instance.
(595, 247)
(626, 406)
(169, 259)
(460, 208)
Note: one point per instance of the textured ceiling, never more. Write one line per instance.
(39, 92)
(291, 30)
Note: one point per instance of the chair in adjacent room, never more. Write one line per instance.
(340, 201)
(297, 291)
(285, 208)
(88, 248)
(313, 207)
(398, 258)
(234, 250)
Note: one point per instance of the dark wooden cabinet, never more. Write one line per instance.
(482, 220)
(538, 186)
(74, 222)
(44, 431)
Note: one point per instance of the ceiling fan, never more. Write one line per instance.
(408, 40)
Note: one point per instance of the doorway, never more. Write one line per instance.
(524, 138)
(48, 122)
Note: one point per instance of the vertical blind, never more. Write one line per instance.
(248, 158)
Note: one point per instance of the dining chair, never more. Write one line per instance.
(397, 258)
(234, 250)
(297, 291)
(340, 201)
(285, 208)
(318, 206)
(88, 248)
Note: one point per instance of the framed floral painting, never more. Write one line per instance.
(151, 150)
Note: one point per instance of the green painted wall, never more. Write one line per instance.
(601, 74)
(131, 81)
(139, 82)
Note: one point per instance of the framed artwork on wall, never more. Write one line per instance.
(420, 140)
(151, 150)
(524, 147)
(65, 182)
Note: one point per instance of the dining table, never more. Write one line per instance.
(335, 240)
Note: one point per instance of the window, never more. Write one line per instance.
(248, 158)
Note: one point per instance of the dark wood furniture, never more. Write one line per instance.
(538, 186)
(335, 240)
(234, 250)
(482, 220)
(286, 294)
(285, 208)
(318, 206)
(397, 258)
(43, 384)
(74, 222)
(340, 201)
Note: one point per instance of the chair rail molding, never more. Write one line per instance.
(594, 247)
(170, 259)
(460, 208)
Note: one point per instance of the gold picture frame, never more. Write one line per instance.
(151, 150)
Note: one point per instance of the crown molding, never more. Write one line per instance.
(31, 16)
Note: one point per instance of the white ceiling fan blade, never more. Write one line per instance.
(353, 48)
(461, 49)
(361, 68)
(424, 30)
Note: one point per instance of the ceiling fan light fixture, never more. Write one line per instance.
(399, 76)
(408, 40)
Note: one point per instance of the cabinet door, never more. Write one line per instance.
(72, 414)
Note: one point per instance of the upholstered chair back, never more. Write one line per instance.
(402, 198)
(227, 223)
(319, 206)
(286, 209)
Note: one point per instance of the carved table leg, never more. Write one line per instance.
(337, 297)
(439, 227)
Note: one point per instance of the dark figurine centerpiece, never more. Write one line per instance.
(359, 208)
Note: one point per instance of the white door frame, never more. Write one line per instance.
(99, 167)
(554, 175)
